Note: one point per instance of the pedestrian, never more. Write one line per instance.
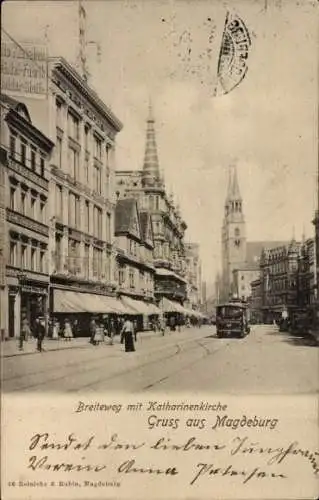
(162, 324)
(92, 330)
(24, 331)
(98, 336)
(56, 330)
(111, 331)
(39, 332)
(67, 332)
(128, 331)
(135, 329)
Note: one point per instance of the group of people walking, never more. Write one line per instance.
(37, 331)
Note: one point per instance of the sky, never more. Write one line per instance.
(267, 125)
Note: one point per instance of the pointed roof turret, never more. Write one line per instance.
(151, 172)
(229, 188)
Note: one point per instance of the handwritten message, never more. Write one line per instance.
(165, 446)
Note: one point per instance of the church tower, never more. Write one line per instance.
(233, 234)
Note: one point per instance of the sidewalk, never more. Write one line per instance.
(10, 347)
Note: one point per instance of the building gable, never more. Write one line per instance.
(135, 226)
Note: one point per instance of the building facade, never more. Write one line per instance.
(256, 313)
(25, 156)
(242, 279)
(193, 277)
(279, 280)
(148, 188)
(82, 185)
(307, 283)
(134, 261)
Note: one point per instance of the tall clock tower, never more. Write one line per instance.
(233, 234)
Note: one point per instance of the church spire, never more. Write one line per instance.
(235, 192)
(151, 171)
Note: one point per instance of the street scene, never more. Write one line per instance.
(192, 360)
(159, 198)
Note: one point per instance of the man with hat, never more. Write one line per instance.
(39, 331)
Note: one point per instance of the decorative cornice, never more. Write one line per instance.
(22, 170)
(60, 64)
(24, 221)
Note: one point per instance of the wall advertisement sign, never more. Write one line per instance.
(24, 68)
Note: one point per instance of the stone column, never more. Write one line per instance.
(80, 173)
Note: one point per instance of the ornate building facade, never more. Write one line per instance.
(148, 188)
(25, 155)
(193, 276)
(279, 268)
(135, 262)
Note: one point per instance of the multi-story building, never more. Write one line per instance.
(193, 276)
(82, 195)
(134, 262)
(307, 289)
(242, 279)
(279, 280)
(25, 155)
(148, 188)
(255, 304)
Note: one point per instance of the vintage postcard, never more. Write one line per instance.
(159, 250)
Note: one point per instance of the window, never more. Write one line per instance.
(121, 275)
(97, 148)
(12, 198)
(58, 147)
(58, 107)
(74, 215)
(23, 152)
(42, 211)
(73, 127)
(13, 253)
(86, 260)
(42, 166)
(86, 137)
(97, 180)
(87, 169)
(87, 216)
(33, 259)
(13, 144)
(131, 278)
(157, 202)
(33, 207)
(97, 221)
(237, 232)
(33, 160)
(58, 252)
(58, 200)
(24, 256)
(108, 228)
(73, 162)
(42, 261)
(23, 202)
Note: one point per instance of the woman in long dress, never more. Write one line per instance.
(68, 335)
(56, 330)
(128, 332)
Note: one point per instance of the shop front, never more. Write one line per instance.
(27, 296)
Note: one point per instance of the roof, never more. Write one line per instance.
(15, 105)
(254, 249)
(123, 213)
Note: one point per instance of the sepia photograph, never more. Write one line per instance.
(159, 197)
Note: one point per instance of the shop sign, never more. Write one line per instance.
(24, 68)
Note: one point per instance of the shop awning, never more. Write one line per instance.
(172, 306)
(136, 306)
(152, 309)
(66, 301)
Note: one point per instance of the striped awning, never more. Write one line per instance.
(136, 306)
(66, 301)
